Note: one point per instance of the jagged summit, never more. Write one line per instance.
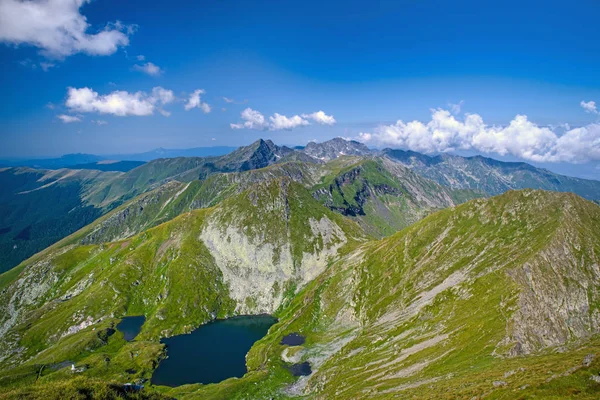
(335, 148)
(259, 154)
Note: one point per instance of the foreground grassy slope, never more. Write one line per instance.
(496, 298)
(470, 301)
(62, 306)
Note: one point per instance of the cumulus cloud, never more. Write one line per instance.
(320, 118)
(255, 120)
(141, 57)
(279, 122)
(196, 102)
(120, 103)
(68, 119)
(149, 68)
(589, 106)
(162, 95)
(58, 28)
(520, 138)
(252, 120)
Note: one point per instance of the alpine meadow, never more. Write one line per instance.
(299, 200)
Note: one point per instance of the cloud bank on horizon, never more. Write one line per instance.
(521, 138)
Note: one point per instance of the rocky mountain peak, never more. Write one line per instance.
(335, 148)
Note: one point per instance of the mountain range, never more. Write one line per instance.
(383, 190)
(409, 276)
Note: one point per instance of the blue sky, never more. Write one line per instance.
(366, 64)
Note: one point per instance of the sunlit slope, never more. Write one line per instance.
(381, 195)
(250, 254)
(497, 297)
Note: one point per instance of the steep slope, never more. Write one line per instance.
(497, 298)
(250, 254)
(174, 198)
(491, 176)
(382, 196)
(186, 169)
(39, 207)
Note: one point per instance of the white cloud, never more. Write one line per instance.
(321, 118)
(149, 68)
(252, 120)
(162, 95)
(67, 119)
(141, 58)
(521, 138)
(119, 103)
(589, 106)
(196, 102)
(255, 120)
(228, 100)
(57, 28)
(279, 122)
(99, 122)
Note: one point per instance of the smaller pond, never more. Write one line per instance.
(293, 339)
(131, 326)
(212, 353)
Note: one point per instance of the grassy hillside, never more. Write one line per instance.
(38, 208)
(382, 196)
(63, 304)
(497, 298)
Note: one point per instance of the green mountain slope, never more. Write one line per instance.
(497, 297)
(383, 196)
(380, 195)
(250, 254)
(38, 208)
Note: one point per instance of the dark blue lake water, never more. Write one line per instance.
(131, 326)
(212, 353)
